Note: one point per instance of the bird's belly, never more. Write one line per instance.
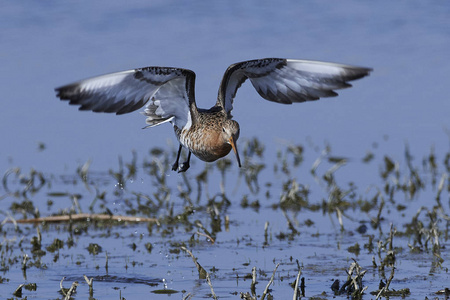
(212, 153)
(204, 144)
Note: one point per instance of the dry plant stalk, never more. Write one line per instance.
(296, 284)
(83, 217)
(208, 280)
(202, 274)
(270, 282)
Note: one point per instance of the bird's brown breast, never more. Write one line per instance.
(204, 138)
(211, 146)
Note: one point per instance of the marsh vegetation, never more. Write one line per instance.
(306, 223)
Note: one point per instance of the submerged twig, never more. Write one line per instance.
(388, 282)
(90, 283)
(201, 271)
(208, 280)
(68, 292)
(296, 284)
(18, 291)
(253, 285)
(207, 236)
(386, 292)
(106, 261)
(72, 290)
(270, 282)
(61, 286)
(85, 217)
(24, 261)
(188, 295)
(353, 285)
(202, 274)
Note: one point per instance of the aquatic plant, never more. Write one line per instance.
(273, 204)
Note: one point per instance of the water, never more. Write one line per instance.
(404, 101)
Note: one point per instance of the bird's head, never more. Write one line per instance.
(230, 134)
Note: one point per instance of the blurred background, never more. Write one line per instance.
(45, 44)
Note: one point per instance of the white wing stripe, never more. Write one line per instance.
(124, 92)
(288, 80)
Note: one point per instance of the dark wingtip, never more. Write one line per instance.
(58, 92)
(61, 93)
(366, 72)
(358, 73)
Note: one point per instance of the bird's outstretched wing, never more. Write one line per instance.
(168, 93)
(287, 80)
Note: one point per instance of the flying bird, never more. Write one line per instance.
(168, 96)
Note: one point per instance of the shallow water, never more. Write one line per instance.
(306, 230)
(404, 102)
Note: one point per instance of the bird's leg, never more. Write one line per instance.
(175, 165)
(185, 165)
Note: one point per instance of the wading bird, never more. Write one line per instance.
(168, 96)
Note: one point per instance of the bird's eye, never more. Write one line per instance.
(223, 129)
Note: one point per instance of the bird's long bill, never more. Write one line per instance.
(233, 145)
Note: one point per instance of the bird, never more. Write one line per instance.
(168, 94)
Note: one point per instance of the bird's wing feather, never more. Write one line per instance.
(287, 80)
(168, 93)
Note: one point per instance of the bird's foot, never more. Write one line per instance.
(184, 166)
(175, 166)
